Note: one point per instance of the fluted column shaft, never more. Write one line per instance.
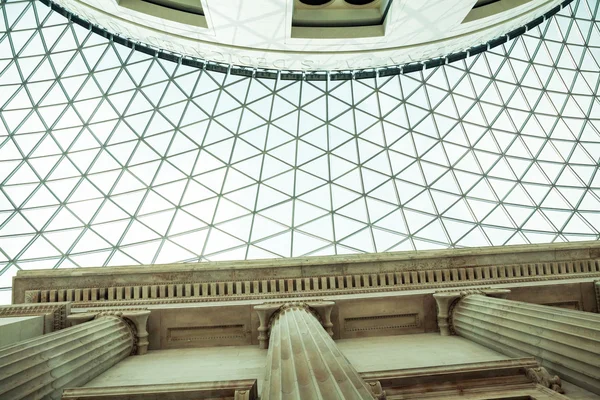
(566, 342)
(41, 367)
(304, 362)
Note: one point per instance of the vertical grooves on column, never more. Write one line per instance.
(565, 341)
(317, 362)
(291, 381)
(43, 366)
(304, 362)
(273, 380)
(350, 384)
(111, 355)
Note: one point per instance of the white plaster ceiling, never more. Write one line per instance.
(258, 32)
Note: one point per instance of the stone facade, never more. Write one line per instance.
(302, 315)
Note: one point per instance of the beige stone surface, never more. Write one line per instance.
(15, 329)
(235, 323)
(413, 351)
(186, 365)
(221, 390)
(248, 362)
(272, 278)
(574, 392)
(54, 314)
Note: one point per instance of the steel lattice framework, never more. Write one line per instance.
(110, 156)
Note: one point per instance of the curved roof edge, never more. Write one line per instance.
(310, 75)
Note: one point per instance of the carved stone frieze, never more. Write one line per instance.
(55, 314)
(184, 285)
(299, 295)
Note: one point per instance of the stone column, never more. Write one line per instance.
(43, 366)
(566, 342)
(303, 361)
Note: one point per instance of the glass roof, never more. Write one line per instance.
(110, 156)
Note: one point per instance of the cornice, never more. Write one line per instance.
(269, 312)
(165, 292)
(417, 260)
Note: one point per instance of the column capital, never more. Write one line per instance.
(303, 361)
(267, 312)
(446, 300)
(136, 320)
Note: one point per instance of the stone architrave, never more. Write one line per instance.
(42, 367)
(55, 314)
(303, 361)
(566, 342)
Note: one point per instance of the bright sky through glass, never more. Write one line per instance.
(112, 157)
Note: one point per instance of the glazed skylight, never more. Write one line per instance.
(109, 156)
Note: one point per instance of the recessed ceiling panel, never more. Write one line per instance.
(310, 34)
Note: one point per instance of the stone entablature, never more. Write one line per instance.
(252, 280)
(55, 314)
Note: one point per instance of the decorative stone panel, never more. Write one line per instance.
(55, 315)
(189, 292)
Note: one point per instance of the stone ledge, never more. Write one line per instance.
(234, 390)
(489, 368)
(446, 258)
(302, 276)
(492, 379)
